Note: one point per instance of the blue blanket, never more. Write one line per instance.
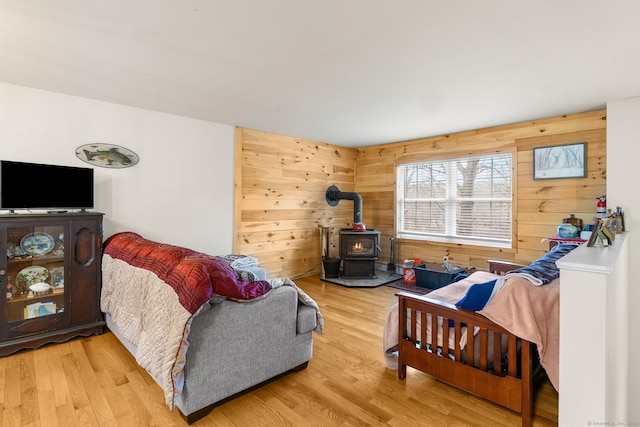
(544, 268)
(540, 272)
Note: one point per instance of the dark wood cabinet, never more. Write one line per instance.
(51, 274)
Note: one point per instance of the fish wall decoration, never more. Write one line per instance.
(107, 155)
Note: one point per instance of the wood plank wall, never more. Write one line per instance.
(281, 183)
(540, 205)
(280, 200)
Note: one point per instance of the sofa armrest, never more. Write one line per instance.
(306, 321)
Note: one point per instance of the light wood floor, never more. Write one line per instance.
(95, 382)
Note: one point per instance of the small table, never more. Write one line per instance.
(556, 240)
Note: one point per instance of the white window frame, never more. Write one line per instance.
(450, 200)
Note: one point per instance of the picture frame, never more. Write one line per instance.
(560, 161)
(594, 234)
(604, 231)
(57, 277)
(615, 225)
(607, 234)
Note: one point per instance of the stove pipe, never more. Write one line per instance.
(333, 196)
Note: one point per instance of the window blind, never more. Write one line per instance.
(462, 200)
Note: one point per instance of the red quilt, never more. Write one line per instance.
(194, 276)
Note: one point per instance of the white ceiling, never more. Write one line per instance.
(346, 72)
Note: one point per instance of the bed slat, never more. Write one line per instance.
(497, 349)
(445, 337)
(483, 350)
(457, 336)
(471, 348)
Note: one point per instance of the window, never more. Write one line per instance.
(464, 200)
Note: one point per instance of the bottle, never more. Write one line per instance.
(602, 207)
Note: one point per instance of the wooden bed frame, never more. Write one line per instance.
(511, 387)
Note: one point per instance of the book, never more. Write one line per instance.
(38, 309)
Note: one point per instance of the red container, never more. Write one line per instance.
(408, 272)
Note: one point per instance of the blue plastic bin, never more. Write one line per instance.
(433, 276)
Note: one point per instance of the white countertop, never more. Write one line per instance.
(594, 259)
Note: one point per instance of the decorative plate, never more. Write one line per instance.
(107, 155)
(30, 276)
(37, 244)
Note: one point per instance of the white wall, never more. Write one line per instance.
(181, 191)
(623, 154)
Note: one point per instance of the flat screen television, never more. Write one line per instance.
(40, 186)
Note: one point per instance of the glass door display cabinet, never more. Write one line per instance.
(50, 277)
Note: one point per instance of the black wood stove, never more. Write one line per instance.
(359, 247)
(359, 251)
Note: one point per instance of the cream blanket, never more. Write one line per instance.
(148, 314)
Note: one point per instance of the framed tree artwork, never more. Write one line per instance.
(560, 161)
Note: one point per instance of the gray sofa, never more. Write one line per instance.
(203, 334)
(235, 346)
